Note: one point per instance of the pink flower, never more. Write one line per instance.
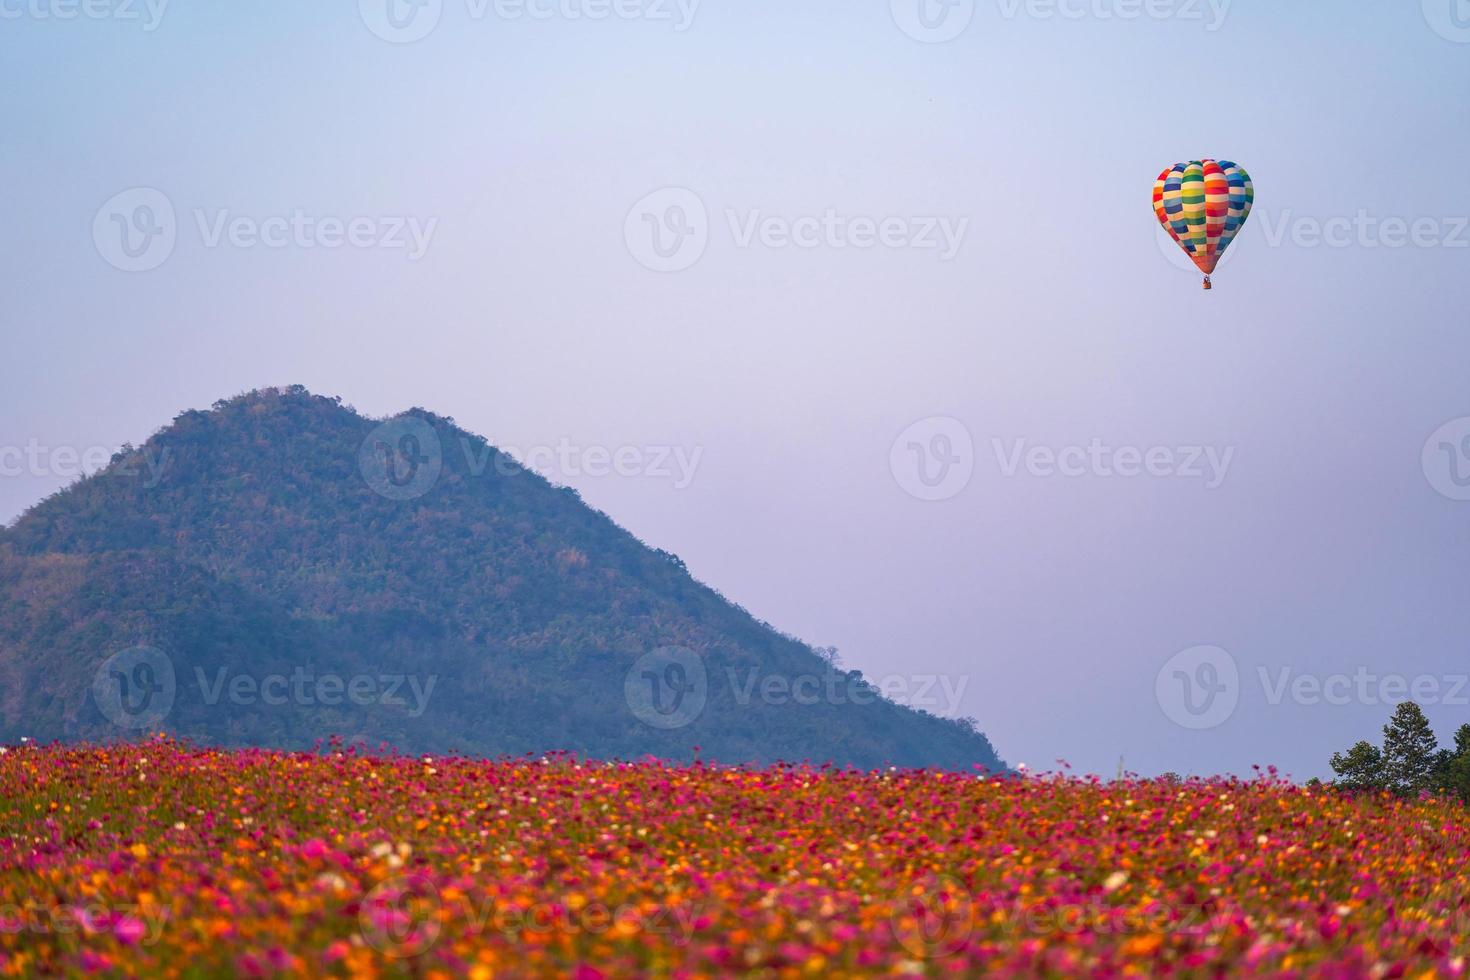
(128, 930)
(94, 962)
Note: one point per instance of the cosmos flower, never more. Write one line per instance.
(271, 863)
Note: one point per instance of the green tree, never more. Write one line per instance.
(1454, 770)
(1361, 769)
(1409, 750)
(1462, 740)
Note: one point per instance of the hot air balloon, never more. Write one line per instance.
(1203, 205)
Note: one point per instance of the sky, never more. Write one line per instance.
(883, 275)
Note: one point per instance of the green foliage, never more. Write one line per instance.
(1362, 769)
(1409, 750)
(1411, 761)
(1462, 740)
(246, 539)
(1454, 766)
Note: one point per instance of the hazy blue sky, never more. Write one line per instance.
(517, 146)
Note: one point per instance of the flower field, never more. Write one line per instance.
(160, 858)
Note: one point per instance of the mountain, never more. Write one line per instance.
(282, 569)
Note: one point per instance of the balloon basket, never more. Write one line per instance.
(1208, 284)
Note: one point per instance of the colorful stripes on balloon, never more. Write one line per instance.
(1203, 205)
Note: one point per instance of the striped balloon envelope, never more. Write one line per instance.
(1203, 205)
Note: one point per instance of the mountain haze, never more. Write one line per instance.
(281, 547)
